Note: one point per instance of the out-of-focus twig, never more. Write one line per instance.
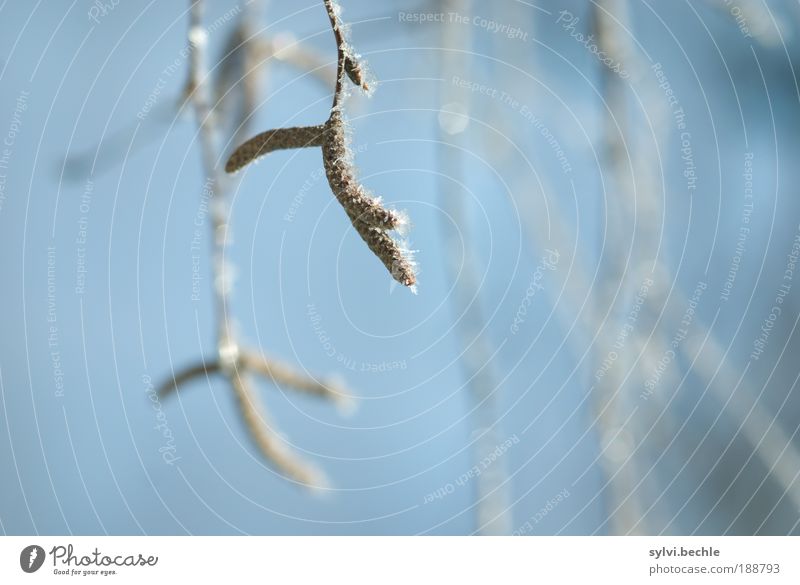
(754, 19)
(763, 431)
(493, 503)
(770, 440)
(245, 57)
(238, 365)
(203, 369)
(269, 442)
(285, 48)
(617, 457)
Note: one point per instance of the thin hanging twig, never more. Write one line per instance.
(237, 364)
(369, 217)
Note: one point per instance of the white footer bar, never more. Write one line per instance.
(401, 560)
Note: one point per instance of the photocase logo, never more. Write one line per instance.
(31, 558)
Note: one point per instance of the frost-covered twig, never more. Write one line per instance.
(271, 140)
(369, 217)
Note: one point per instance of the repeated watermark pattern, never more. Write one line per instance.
(569, 22)
(548, 262)
(767, 325)
(509, 31)
(670, 354)
(744, 229)
(168, 449)
(473, 472)
(529, 525)
(625, 330)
